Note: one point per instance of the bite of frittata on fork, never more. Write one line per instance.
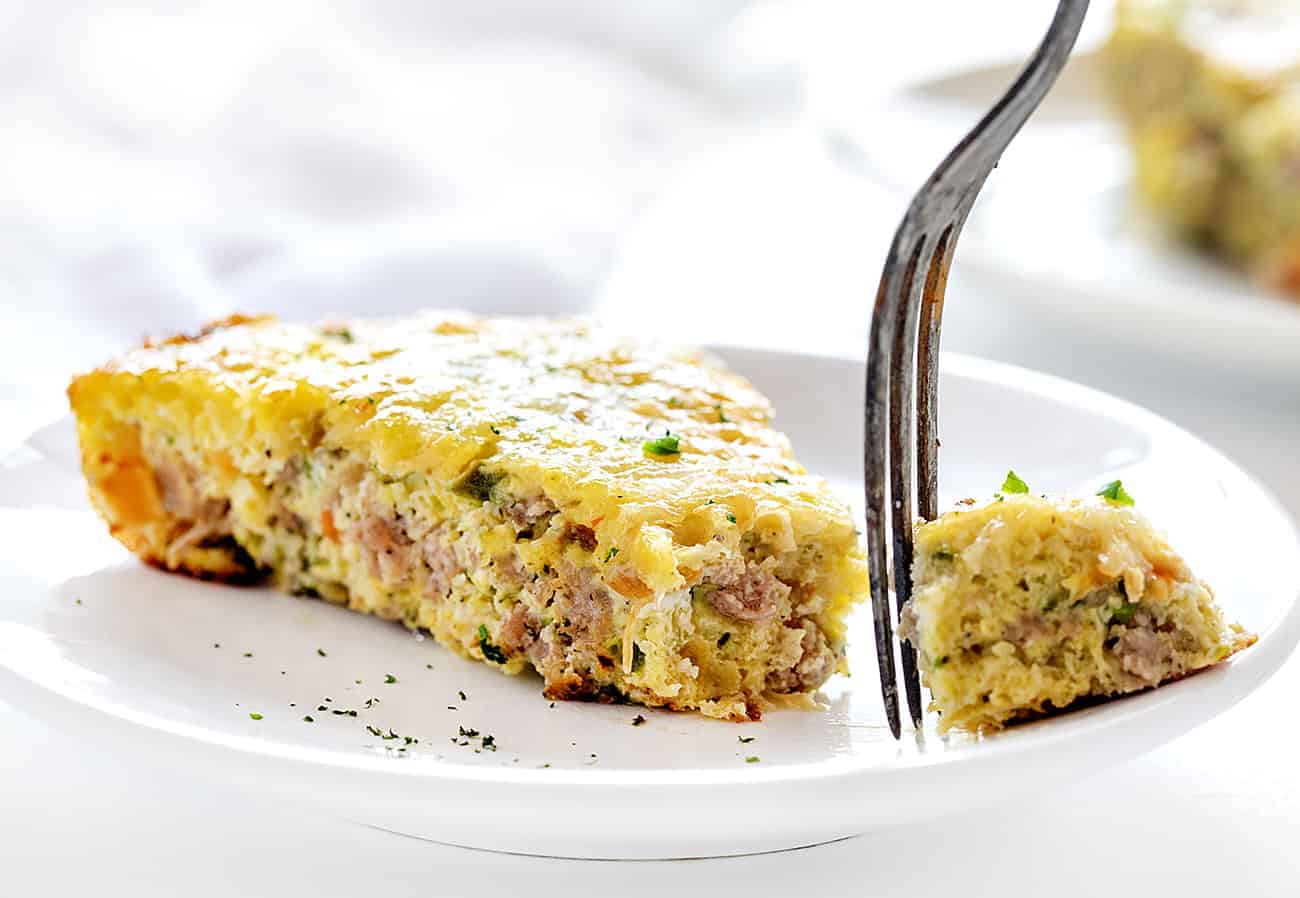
(620, 517)
(1026, 604)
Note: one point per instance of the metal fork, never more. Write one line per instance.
(905, 338)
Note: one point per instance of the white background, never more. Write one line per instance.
(656, 162)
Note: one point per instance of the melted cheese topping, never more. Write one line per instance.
(564, 407)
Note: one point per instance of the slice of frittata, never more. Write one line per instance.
(620, 517)
(1026, 604)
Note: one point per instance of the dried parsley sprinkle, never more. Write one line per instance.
(609, 556)
(390, 679)
(465, 698)
(731, 517)
(248, 654)
(668, 444)
(1115, 494)
(722, 417)
(745, 740)
(78, 601)
(321, 652)
(638, 720)
(1013, 484)
(254, 715)
(752, 759)
(308, 719)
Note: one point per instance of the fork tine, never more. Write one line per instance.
(895, 286)
(927, 370)
(918, 297)
(927, 387)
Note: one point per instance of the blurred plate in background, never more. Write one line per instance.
(1056, 228)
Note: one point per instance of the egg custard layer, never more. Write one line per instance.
(619, 517)
(1027, 604)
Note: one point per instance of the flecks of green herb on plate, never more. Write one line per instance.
(390, 679)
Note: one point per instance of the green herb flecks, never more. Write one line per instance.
(638, 720)
(722, 416)
(745, 740)
(490, 652)
(1115, 494)
(321, 652)
(1124, 613)
(667, 445)
(478, 484)
(1013, 484)
(731, 517)
(390, 679)
(254, 715)
(611, 554)
(752, 759)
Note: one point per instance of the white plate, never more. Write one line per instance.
(125, 657)
(1056, 227)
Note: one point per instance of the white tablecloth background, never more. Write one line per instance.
(162, 165)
